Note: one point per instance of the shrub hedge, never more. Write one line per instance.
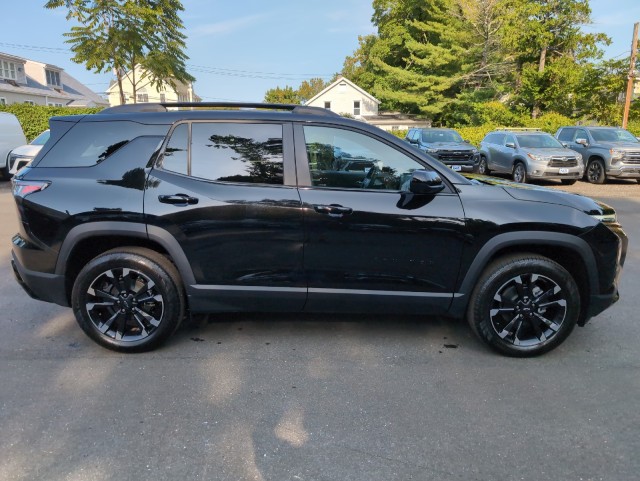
(35, 118)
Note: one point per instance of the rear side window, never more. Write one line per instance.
(227, 152)
(90, 143)
(566, 135)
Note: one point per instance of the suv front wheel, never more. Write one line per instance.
(519, 172)
(524, 305)
(129, 299)
(595, 172)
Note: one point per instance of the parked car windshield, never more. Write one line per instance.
(613, 135)
(538, 142)
(42, 138)
(441, 136)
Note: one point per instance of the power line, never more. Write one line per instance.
(225, 72)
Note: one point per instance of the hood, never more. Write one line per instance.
(449, 146)
(27, 150)
(547, 152)
(619, 145)
(536, 193)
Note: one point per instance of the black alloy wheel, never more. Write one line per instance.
(524, 305)
(128, 299)
(519, 173)
(595, 172)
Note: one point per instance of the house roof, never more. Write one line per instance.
(338, 82)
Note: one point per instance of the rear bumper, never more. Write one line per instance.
(41, 286)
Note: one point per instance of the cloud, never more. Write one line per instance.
(228, 26)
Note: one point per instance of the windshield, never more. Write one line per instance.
(41, 139)
(613, 135)
(441, 136)
(538, 142)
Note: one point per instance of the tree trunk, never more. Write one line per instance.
(119, 77)
(535, 113)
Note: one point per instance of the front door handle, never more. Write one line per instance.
(333, 210)
(178, 199)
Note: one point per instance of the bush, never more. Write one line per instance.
(35, 118)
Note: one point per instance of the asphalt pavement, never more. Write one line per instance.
(292, 397)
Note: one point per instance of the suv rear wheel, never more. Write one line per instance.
(129, 299)
(524, 305)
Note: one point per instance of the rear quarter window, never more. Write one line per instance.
(90, 143)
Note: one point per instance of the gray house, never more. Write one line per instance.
(37, 83)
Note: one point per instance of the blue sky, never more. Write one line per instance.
(239, 49)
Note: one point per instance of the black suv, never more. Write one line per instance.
(447, 146)
(143, 214)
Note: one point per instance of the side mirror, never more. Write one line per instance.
(511, 145)
(584, 142)
(565, 145)
(425, 182)
(466, 141)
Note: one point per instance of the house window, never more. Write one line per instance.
(3, 101)
(163, 98)
(54, 104)
(8, 70)
(29, 102)
(327, 105)
(53, 78)
(143, 97)
(356, 107)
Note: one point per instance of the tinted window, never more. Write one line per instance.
(538, 141)
(89, 143)
(566, 135)
(613, 135)
(175, 156)
(346, 159)
(441, 136)
(237, 152)
(42, 138)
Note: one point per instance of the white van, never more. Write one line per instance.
(11, 136)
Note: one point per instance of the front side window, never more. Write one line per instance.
(581, 134)
(227, 152)
(345, 159)
(566, 135)
(509, 139)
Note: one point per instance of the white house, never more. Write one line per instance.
(38, 83)
(345, 97)
(146, 92)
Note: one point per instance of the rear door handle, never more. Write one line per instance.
(333, 210)
(178, 199)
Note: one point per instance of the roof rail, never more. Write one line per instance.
(165, 106)
(521, 129)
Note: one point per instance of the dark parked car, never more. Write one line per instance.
(141, 214)
(447, 146)
(608, 151)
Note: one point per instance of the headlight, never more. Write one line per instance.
(616, 154)
(578, 157)
(539, 158)
(607, 216)
(475, 151)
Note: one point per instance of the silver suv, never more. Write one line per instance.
(529, 155)
(608, 151)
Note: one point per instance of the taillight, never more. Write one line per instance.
(22, 188)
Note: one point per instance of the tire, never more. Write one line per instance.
(595, 172)
(519, 173)
(141, 303)
(524, 305)
(483, 168)
(568, 181)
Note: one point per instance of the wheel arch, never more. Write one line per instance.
(86, 241)
(571, 252)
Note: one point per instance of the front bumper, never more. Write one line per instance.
(622, 171)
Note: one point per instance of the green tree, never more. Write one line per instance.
(120, 34)
(279, 95)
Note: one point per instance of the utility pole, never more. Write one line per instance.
(632, 75)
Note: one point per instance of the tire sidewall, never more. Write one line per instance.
(500, 273)
(168, 288)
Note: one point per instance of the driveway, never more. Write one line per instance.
(257, 397)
